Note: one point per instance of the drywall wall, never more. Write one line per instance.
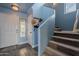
(37, 9)
(45, 12)
(45, 31)
(41, 11)
(9, 24)
(64, 21)
(32, 12)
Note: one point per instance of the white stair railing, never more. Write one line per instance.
(76, 22)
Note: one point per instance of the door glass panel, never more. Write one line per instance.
(22, 27)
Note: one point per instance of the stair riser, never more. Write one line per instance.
(68, 42)
(49, 53)
(54, 46)
(75, 36)
(58, 29)
(63, 49)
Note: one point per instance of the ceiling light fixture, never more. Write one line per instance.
(15, 7)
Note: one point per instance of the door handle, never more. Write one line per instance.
(30, 32)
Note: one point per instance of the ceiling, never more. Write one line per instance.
(23, 6)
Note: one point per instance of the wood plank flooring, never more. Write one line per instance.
(18, 50)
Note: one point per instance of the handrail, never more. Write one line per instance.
(76, 22)
(45, 22)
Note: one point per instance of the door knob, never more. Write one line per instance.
(30, 32)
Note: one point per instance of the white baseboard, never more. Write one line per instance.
(14, 44)
(7, 46)
(22, 43)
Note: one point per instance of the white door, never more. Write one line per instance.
(8, 27)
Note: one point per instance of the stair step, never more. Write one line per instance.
(57, 29)
(67, 34)
(65, 45)
(54, 52)
(65, 38)
(63, 49)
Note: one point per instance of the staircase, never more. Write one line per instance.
(63, 43)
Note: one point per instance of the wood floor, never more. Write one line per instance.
(19, 50)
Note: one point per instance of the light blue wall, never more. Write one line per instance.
(37, 10)
(45, 31)
(41, 11)
(64, 21)
(45, 12)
